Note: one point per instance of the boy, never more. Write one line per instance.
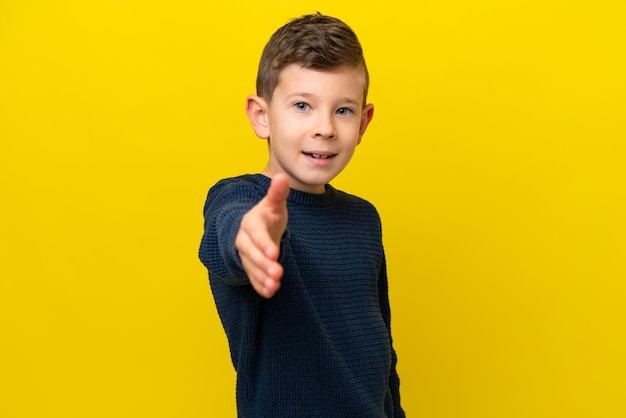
(296, 267)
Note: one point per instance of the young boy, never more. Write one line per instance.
(297, 268)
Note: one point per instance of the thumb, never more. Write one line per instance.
(278, 192)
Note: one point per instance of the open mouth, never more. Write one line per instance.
(319, 156)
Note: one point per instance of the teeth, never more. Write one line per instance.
(320, 156)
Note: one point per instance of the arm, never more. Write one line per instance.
(394, 380)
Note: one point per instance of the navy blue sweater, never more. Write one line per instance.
(321, 347)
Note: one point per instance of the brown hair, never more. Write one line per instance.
(317, 42)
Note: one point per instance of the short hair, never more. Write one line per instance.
(317, 42)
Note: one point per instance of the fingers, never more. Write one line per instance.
(277, 193)
(259, 255)
(266, 283)
(264, 272)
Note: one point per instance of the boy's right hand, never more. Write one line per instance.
(258, 239)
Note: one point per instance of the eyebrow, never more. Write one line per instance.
(310, 96)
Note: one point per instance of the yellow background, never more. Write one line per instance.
(496, 159)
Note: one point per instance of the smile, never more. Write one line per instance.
(319, 156)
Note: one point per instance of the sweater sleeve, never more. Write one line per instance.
(225, 205)
(394, 380)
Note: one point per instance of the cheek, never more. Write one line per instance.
(287, 129)
(352, 131)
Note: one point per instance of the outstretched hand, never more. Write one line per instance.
(258, 239)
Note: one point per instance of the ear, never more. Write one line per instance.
(366, 118)
(257, 111)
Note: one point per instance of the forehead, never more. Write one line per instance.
(343, 81)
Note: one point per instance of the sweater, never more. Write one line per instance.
(322, 346)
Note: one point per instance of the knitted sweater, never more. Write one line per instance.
(321, 347)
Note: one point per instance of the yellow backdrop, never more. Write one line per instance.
(496, 159)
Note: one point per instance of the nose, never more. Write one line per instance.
(325, 127)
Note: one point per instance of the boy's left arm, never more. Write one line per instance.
(394, 380)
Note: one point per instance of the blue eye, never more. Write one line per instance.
(301, 106)
(344, 111)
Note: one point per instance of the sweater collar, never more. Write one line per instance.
(298, 197)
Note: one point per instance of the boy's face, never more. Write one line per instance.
(313, 124)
